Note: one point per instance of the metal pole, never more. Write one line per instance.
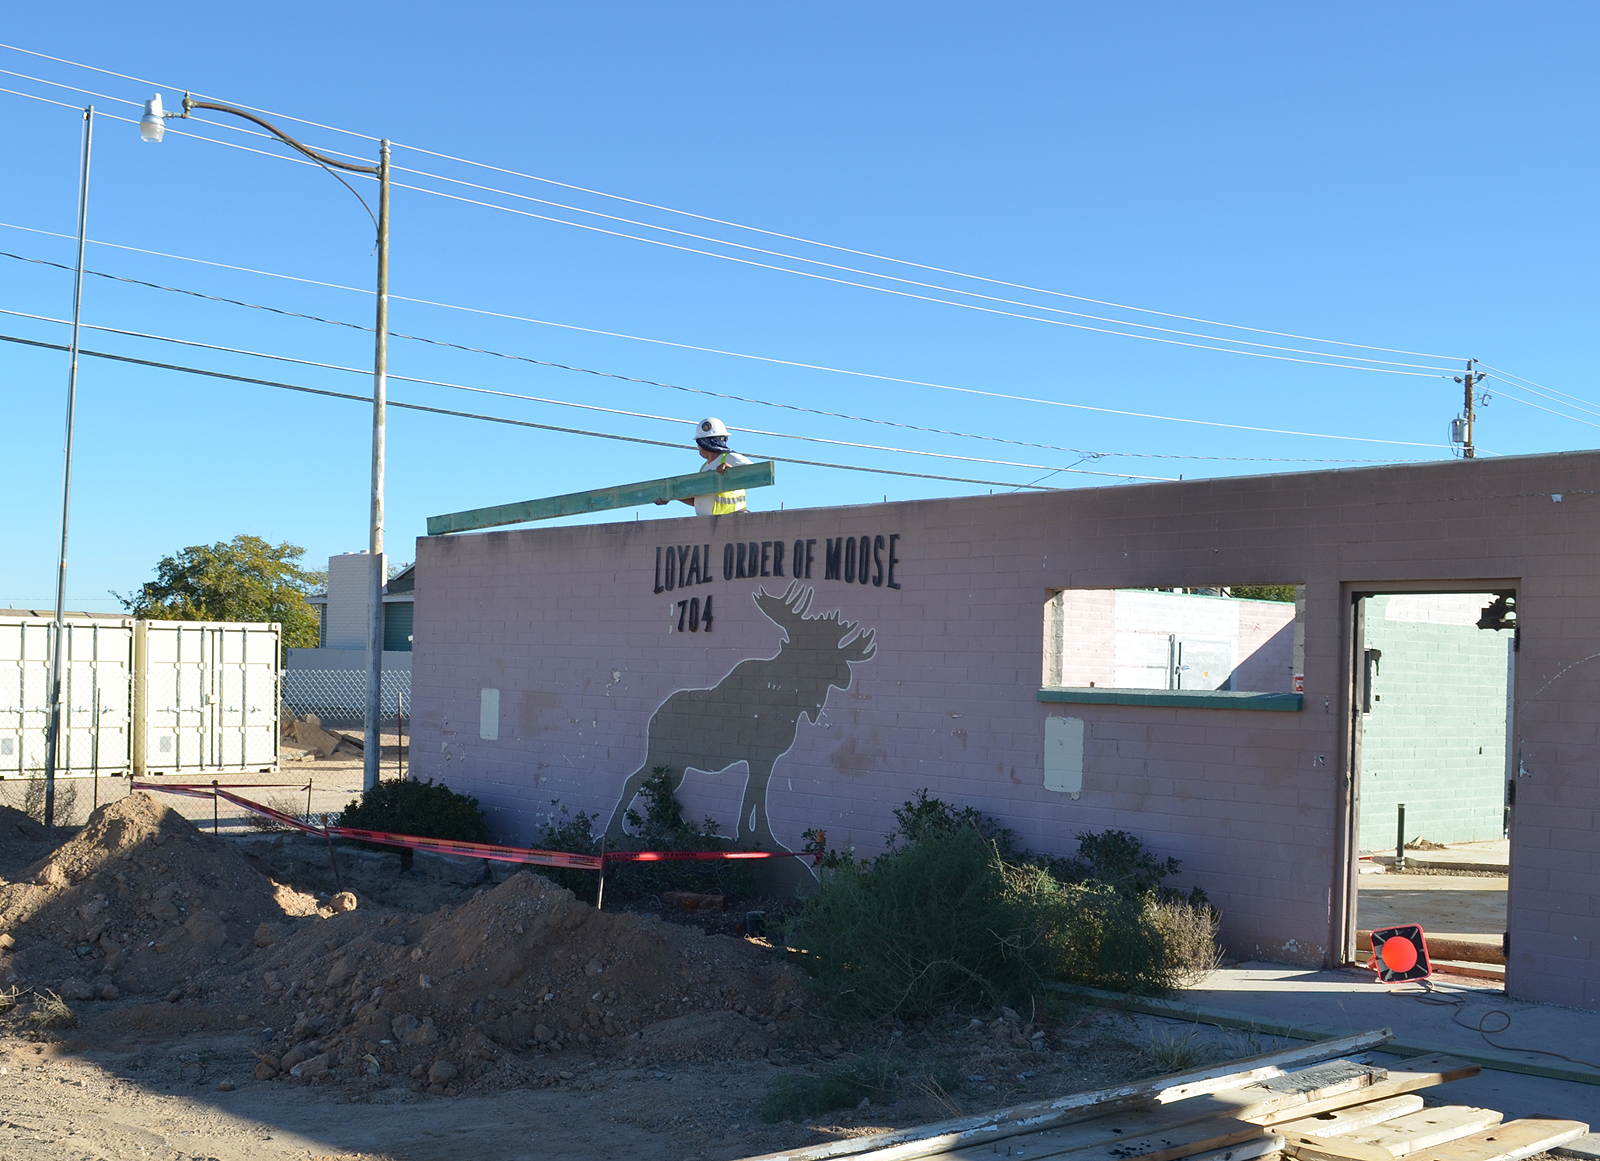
(370, 766)
(1400, 840)
(1467, 450)
(58, 628)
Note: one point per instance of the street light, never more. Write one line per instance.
(151, 126)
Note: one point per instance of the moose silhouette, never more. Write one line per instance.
(753, 714)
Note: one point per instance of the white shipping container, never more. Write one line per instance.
(96, 689)
(207, 697)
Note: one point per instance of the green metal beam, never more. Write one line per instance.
(1190, 698)
(757, 475)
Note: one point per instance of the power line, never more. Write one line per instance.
(495, 418)
(586, 406)
(159, 85)
(1506, 376)
(906, 293)
(906, 262)
(757, 229)
(713, 350)
(1084, 452)
(1360, 362)
(873, 274)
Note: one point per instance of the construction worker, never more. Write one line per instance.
(711, 437)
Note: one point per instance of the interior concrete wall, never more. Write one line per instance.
(567, 628)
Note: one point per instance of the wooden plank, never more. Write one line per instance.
(1268, 1148)
(1423, 1130)
(1115, 1132)
(744, 476)
(1336, 1121)
(1205, 1137)
(1511, 1141)
(1301, 1148)
(1419, 1073)
(927, 1140)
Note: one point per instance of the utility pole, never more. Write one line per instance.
(1468, 382)
(58, 628)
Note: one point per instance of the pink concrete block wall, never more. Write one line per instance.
(567, 625)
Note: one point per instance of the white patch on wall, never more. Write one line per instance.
(489, 715)
(1063, 755)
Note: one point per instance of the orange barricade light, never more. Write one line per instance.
(1400, 954)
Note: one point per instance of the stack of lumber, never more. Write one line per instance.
(1320, 1102)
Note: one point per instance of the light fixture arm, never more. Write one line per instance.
(150, 128)
(321, 159)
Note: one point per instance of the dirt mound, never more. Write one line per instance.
(485, 993)
(21, 841)
(137, 901)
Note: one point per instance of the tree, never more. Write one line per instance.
(1285, 593)
(244, 579)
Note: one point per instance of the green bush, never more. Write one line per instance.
(574, 834)
(662, 827)
(407, 806)
(952, 915)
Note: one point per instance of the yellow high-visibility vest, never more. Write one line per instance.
(725, 503)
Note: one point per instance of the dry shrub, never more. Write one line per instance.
(32, 803)
(52, 1012)
(283, 804)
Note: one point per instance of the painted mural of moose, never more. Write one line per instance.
(753, 714)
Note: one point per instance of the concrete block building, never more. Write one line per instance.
(816, 667)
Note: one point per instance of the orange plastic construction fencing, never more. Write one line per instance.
(526, 855)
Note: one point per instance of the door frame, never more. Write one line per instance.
(1347, 824)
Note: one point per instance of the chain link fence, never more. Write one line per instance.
(339, 696)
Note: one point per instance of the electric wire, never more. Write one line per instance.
(497, 418)
(584, 406)
(762, 359)
(907, 262)
(909, 294)
(1537, 388)
(743, 226)
(1084, 452)
(893, 278)
(1394, 368)
(159, 85)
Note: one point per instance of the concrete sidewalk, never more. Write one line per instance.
(1346, 1000)
(1491, 856)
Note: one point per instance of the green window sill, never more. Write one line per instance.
(1186, 698)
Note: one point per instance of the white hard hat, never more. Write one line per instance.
(710, 428)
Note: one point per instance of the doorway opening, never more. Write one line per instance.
(1432, 761)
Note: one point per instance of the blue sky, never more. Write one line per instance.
(1418, 178)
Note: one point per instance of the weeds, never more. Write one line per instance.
(1172, 1050)
(871, 1076)
(9, 999)
(283, 804)
(52, 1012)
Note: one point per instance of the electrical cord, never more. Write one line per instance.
(1428, 996)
